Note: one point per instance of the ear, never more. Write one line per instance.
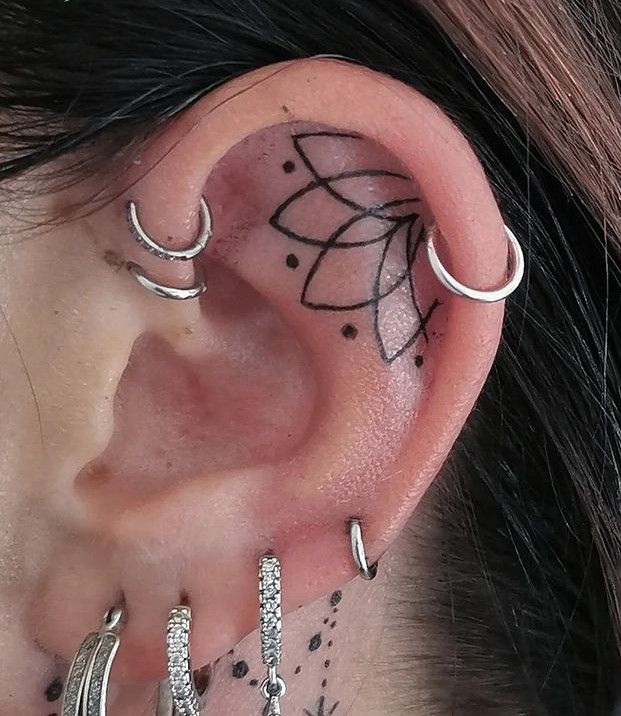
(323, 375)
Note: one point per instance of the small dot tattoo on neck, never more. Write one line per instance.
(288, 167)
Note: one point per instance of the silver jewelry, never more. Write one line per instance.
(87, 683)
(516, 263)
(359, 553)
(187, 254)
(270, 605)
(164, 705)
(180, 674)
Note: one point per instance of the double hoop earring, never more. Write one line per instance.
(515, 265)
(87, 683)
(188, 254)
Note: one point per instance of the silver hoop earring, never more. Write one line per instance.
(180, 674)
(516, 264)
(359, 553)
(191, 252)
(87, 683)
(270, 606)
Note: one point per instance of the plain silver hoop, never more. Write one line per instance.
(180, 673)
(164, 291)
(146, 242)
(516, 267)
(359, 553)
(86, 689)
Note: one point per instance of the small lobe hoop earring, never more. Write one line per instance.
(180, 674)
(359, 553)
(516, 264)
(87, 683)
(270, 604)
(191, 252)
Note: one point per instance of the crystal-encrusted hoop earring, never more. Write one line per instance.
(180, 674)
(87, 683)
(270, 606)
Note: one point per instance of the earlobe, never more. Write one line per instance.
(325, 374)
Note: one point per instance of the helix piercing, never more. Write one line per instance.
(187, 254)
(87, 683)
(180, 674)
(270, 607)
(359, 553)
(516, 265)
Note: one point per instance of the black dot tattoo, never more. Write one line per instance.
(349, 331)
(418, 361)
(326, 620)
(253, 682)
(335, 598)
(326, 664)
(292, 261)
(240, 670)
(298, 669)
(333, 625)
(288, 167)
(315, 642)
(324, 683)
(330, 644)
(54, 690)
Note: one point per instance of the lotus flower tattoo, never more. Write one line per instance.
(390, 233)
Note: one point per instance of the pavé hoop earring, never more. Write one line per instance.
(180, 674)
(87, 683)
(270, 608)
(187, 254)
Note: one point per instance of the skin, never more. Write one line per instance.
(171, 444)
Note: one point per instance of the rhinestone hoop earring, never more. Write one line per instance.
(180, 674)
(87, 683)
(270, 606)
(187, 254)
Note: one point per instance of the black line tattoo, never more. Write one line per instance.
(322, 709)
(401, 233)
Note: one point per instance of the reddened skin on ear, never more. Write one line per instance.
(324, 375)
